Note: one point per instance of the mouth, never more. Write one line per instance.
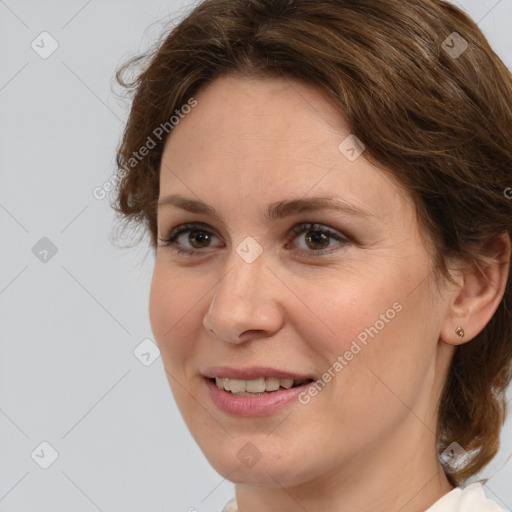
(257, 387)
(253, 391)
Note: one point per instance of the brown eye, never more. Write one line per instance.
(316, 240)
(190, 240)
(199, 239)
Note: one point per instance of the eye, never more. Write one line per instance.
(317, 239)
(188, 239)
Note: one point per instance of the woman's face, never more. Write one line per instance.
(277, 287)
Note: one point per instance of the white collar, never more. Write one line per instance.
(470, 499)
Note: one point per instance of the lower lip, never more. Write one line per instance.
(262, 405)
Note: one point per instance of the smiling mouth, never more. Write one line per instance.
(257, 387)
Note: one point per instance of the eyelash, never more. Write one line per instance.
(170, 240)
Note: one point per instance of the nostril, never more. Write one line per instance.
(251, 332)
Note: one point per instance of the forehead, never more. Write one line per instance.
(272, 139)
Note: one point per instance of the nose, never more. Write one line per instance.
(245, 304)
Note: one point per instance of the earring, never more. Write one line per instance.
(460, 332)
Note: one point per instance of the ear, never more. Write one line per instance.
(478, 292)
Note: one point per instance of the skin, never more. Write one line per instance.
(366, 442)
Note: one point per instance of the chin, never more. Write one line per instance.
(253, 461)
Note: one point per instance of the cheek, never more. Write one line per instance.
(173, 309)
(346, 308)
(371, 326)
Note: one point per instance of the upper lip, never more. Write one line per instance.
(250, 373)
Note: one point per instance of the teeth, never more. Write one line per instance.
(272, 384)
(249, 387)
(237, 386)
(286, 383)
(255, 386)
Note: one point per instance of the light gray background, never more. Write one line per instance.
(69, 326)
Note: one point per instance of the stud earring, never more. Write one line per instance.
(460, 332)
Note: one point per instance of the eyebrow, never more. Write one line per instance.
(277, 210)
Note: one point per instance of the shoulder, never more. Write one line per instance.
(473, 497)
(230, 506)
(468, 499)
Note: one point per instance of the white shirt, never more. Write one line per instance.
(470, 499)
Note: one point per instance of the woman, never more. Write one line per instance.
(325, 185)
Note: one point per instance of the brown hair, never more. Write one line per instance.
(438, 121)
